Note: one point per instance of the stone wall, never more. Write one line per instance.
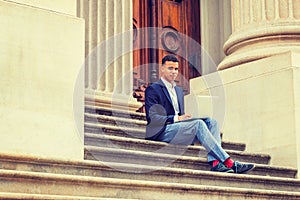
(261, 106)
(41, 54)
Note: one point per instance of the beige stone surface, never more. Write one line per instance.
(268, 179)
(14, 181)
(111, 100)
(297, 108)
(262, 106)
(62, 6)
(40, 58)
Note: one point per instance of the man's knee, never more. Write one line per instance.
(200, 123)
(211, 122)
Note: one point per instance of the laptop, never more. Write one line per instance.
(199, 106)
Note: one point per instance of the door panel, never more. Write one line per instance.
(171, 14)
(140, 56)
(175, 19)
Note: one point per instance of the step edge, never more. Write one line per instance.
(19, 195)
(12, 174)
(158, 143)
(139, 122)
(110, 109)
(141, 130)
(189, 158)
(31, 160)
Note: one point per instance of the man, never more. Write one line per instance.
(167, 122)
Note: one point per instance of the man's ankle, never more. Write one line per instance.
(215, 163)
(228, 162)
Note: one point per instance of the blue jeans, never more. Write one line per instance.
(206, 131)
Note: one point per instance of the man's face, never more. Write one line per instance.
(170, 71)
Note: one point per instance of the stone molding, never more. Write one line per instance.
(261, 29)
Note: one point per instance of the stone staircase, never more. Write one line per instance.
(119, 164)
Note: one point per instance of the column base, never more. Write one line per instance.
(110, 100)
(257, 41)
(253, 55)
(262, 106)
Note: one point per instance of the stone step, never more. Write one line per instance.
(143, 172)
(154, 146)
(13, 181)
(129, 132)
(114, 112)
(176, 161)
(114, 130)
(113, 120)
(133, 123)
(24, 196)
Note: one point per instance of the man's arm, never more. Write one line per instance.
(155, 111)
(182, 115)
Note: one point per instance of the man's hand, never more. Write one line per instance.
(185, 116)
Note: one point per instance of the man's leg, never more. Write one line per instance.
(213, 128)
(209, 136)
(182, 133)
(185, 133)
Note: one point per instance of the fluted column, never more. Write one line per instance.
(108, 66)
(261, 28)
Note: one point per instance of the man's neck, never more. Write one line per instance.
(173, 84)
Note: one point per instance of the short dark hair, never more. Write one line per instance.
(169, 58)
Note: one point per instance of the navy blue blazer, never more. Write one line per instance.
(159, 108)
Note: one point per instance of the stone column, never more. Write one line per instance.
(214, 12)
(261, 28)
(108, 44)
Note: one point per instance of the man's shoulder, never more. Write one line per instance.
(159, 85)
(153, 89)
(179, 88)
(155, 85)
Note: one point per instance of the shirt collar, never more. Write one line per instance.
(168, 84)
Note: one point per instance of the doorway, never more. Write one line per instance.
(174, 19)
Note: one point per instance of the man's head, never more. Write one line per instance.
(169, 68)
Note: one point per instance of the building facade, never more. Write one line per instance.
(56, 54)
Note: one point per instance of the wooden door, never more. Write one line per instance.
(174, 20)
